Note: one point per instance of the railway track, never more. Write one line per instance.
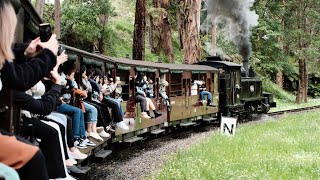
(293, 110)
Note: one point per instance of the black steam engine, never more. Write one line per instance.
(240, 90)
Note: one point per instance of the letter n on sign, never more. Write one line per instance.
(228, 125)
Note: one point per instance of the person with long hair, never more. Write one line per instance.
(23, 157)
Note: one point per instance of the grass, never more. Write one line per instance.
(284, 99)
(285, 149)
(285, 105)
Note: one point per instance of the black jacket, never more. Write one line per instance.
(43, 106)
(22, 76)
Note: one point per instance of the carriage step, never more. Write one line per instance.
(157, 131)
(102, 154)
(133, 139)
(186, 124)
(210, 119)
(84, 169)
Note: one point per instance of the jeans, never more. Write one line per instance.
(143, 102)
(92, 113)
(116, 108)
(77, 115)
(205, 93)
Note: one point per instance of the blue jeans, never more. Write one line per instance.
(206, 93)
(92, 113)
(77, 115)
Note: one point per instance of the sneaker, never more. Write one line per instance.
(69, 162)
(80, 144)
(104, 134)
(73, 161)
(99, 129)
(95, 136)
(145, 115)
(77, 154)
(109, 128)
(122, 125)
(88, 142)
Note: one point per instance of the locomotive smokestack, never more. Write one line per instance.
(246, 67)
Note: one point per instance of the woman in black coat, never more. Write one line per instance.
(26, 159)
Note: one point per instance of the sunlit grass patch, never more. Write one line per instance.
(275, 149)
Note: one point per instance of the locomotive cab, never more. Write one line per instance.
(229, 86)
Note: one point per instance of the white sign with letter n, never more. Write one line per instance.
(228, 125)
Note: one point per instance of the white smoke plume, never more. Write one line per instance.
(238, 20)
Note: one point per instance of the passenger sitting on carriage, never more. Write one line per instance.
(108, 101)
(149, 89)
(141, 95)
(163, 94)
(202, 88)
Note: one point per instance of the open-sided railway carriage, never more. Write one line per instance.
(185, 107)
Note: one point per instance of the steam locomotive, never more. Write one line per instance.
(240, 90)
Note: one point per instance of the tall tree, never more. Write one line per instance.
(189, 22)
(139, 30)
(39, 7)
(57, 18)
(160, 29)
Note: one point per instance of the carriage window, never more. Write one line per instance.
(176, 85)
(122, 90)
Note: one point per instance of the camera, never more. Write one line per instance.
(45, 32)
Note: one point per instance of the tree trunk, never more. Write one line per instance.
(279, 79)
(139, 30)
(302, 88)
(57, 18)
(39, 7)
(190, 33)
(151, 35)
(166, 38)
(161, 37)
(305, 78)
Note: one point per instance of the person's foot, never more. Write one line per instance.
(95, 136)
(80, 144)
(122, 125)
(157, 114)
(104, 134)
(76, 154)
(145, 115)
(69, 162)
(87, 142)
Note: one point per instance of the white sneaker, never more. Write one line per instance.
(104, 134)
(122, 125)
(145, 115)
(95, 136)
(99, 129)
(77, 154)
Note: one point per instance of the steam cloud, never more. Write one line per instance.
(239, 20)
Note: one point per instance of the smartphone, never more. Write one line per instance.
(45, 32)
